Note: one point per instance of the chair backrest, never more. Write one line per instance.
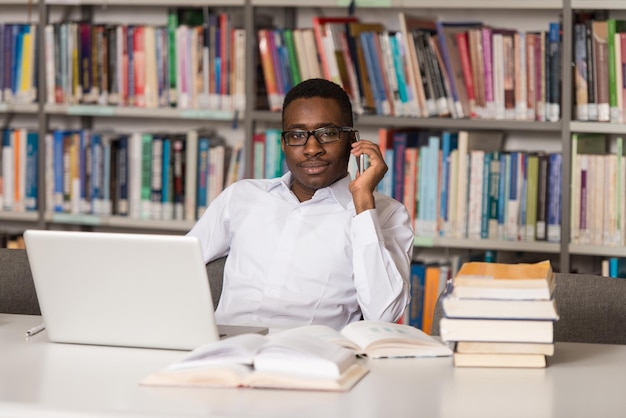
(215, 271)
(17, 289)
(592, 309)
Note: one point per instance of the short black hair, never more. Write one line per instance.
(320, 87)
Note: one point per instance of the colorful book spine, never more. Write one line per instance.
(167, 195)
(554, 73)
(203, 174)
(416, 307)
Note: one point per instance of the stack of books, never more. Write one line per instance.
(500, 315)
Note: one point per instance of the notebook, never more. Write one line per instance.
(121, 289)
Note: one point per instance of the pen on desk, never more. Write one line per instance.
(35, 330)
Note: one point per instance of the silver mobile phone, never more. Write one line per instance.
(360, 161)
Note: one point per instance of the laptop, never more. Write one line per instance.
(122, 289)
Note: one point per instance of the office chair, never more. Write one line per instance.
(17, 289)
(592, 309)
(215, 271)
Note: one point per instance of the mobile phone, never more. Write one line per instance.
(360, 160)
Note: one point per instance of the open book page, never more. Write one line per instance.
(324, 332)
(225, 375)
(239, 349)
(347, 380)
(383, 339)
(291, 351)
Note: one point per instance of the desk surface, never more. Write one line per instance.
(39, 378)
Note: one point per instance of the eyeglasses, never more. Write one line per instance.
(324, 135)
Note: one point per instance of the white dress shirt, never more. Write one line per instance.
(293, 263)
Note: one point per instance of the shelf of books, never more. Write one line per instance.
(598, 4)
(596, 127)
(596, 250)
(157, 3)
(120, 222)
(411, 4)
(19, 216)
(98, 179)
(31, 108)
(435, 123)
(192, 67)
(489, 244)
(138, 112)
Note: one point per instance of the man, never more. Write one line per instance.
(314, 246)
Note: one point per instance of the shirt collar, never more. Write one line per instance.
(340, 189)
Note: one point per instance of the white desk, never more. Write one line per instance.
(38, 378)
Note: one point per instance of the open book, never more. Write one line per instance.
(377, 339)
(289, 359)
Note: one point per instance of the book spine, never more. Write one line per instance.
(446, 56)
(84, 158)
(172, 24)
(225, 60)
(521, 76)
(372, 69)
(7, 170)
(508, 82)
(97, 165)
(474, 204)
(135, 174)
(554, 59)
(468, 77)
(267, 64)
(399, 148)
(580, 74)
(540, 80)
(157, 177)
(167, 201)
(58, 163)
(532, 196)
(486, 195)
(495, 172)
(416, 307)
(424, 75)
(432, 187)
(531, 96)
(614, 111)
(190, 178)
(591, 72)
(122, 176)
(488, 67)
(203, 172)
(178, 179)
(601, 69)
(503, 194)
(497, 45)
(542, 197)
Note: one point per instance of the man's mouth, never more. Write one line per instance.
(314, 167)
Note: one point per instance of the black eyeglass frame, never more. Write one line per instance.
(315, 134)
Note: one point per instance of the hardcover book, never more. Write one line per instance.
(504, 281)
(285, 360)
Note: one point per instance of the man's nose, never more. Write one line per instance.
(312, 146)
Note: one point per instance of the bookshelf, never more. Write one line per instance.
(252, 120)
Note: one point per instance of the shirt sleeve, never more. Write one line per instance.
(213, 228)
(382, 241)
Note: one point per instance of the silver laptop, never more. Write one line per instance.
(119, 289)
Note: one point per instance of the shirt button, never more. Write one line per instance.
(283, 249)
